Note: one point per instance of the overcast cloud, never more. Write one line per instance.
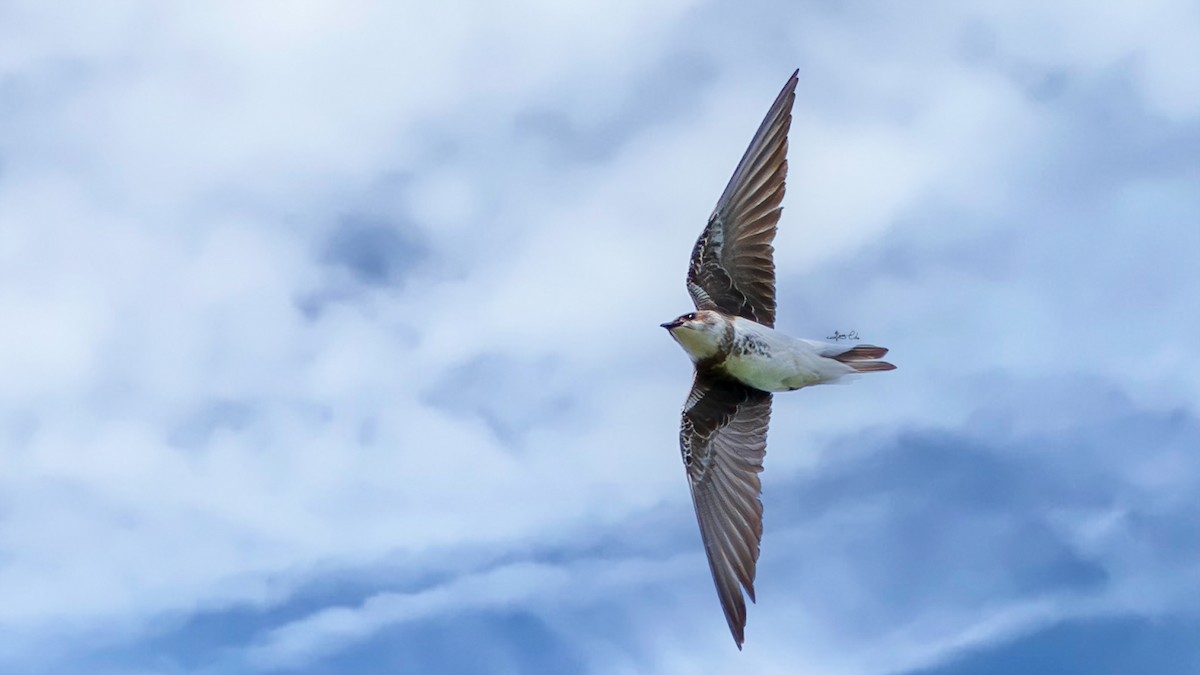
(330, 335)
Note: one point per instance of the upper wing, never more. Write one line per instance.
(723, 436)
(732, 269)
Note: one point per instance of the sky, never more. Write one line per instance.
(330, 336)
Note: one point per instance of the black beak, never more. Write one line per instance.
(670, 324)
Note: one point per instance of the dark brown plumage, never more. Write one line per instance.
(732, 269)
(723, 432)
(723, 439)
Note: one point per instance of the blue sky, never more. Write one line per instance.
(331, 336)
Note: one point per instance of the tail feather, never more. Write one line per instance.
(861, 353)
(861, 358)
(870, 366)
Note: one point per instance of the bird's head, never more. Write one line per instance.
(702, 333)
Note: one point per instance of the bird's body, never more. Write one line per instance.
(740, 360)
(761, 357)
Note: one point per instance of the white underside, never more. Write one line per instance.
(788, 363)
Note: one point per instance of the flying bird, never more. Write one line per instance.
(740, 359)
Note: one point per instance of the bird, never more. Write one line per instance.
(741, 361)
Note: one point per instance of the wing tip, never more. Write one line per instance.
(738, 631)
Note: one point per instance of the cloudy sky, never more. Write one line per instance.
(329, 335)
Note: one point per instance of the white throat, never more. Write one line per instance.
(699, 344)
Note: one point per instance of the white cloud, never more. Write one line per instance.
(186, 436)
(513, 586)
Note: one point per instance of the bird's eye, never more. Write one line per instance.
(690, 317)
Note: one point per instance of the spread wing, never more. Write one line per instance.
(723, 436)
(732, 269)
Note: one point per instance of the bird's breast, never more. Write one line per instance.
(767, 360)
(762, 368)
(750, 344)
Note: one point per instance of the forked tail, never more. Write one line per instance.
(863, 358)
